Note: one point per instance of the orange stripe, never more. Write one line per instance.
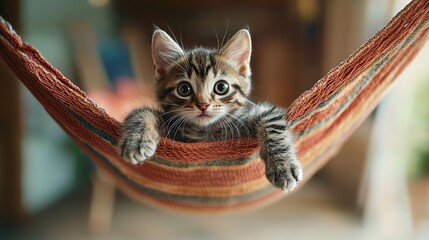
(213, 192)
(187, 207)
(203, 177)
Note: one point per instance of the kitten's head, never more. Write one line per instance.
(202, 85)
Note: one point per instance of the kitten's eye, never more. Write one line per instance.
(221, 87)
(184, 89)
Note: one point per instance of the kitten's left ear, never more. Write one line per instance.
(164, 51)
(237, 51)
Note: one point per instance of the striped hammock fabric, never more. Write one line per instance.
(218, 176)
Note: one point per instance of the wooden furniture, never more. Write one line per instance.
(11, 208)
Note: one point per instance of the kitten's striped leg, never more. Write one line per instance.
(283, 169)
(140, 135)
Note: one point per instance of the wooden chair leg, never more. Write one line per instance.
(102, 203)
(11, 192)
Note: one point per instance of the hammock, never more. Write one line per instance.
(218, 176)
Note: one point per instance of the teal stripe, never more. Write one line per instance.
(85, 123)
(91, 127)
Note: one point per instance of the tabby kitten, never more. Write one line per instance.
(203, 94)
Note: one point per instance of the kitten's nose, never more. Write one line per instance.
(203, 106)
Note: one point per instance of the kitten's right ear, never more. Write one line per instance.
(164, 51)
(237, 51)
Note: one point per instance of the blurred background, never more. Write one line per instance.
(375, 188)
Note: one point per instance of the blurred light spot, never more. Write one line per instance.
(308, 9)
(99, 3)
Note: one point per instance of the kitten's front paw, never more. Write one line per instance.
(137, 147)
(284, 174)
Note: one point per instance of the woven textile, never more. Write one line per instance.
(218, 176)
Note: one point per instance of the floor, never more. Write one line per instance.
(311, 213)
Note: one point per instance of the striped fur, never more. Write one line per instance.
(204, 94)
(321, 119)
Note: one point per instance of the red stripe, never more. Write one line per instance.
(200, 152)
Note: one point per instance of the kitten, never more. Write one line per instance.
(203, 94)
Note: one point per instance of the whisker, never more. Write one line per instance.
(246, 127)
(172, 111)
(238, 130)
(249, 117)
(226, 32)
(183, 128)
(167, 123)
(173, 125)
(182, 120)
(252, 103)
(222, 130)
(178, 63)
(217, 38)
(181, 40)
(228, 124)
(172, 34)
(222, 122)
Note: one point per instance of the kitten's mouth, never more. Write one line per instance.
(204, 119)
(204, 115)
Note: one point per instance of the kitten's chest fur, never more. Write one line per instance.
(193, 133)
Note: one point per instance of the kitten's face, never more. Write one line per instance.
(202, 86)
